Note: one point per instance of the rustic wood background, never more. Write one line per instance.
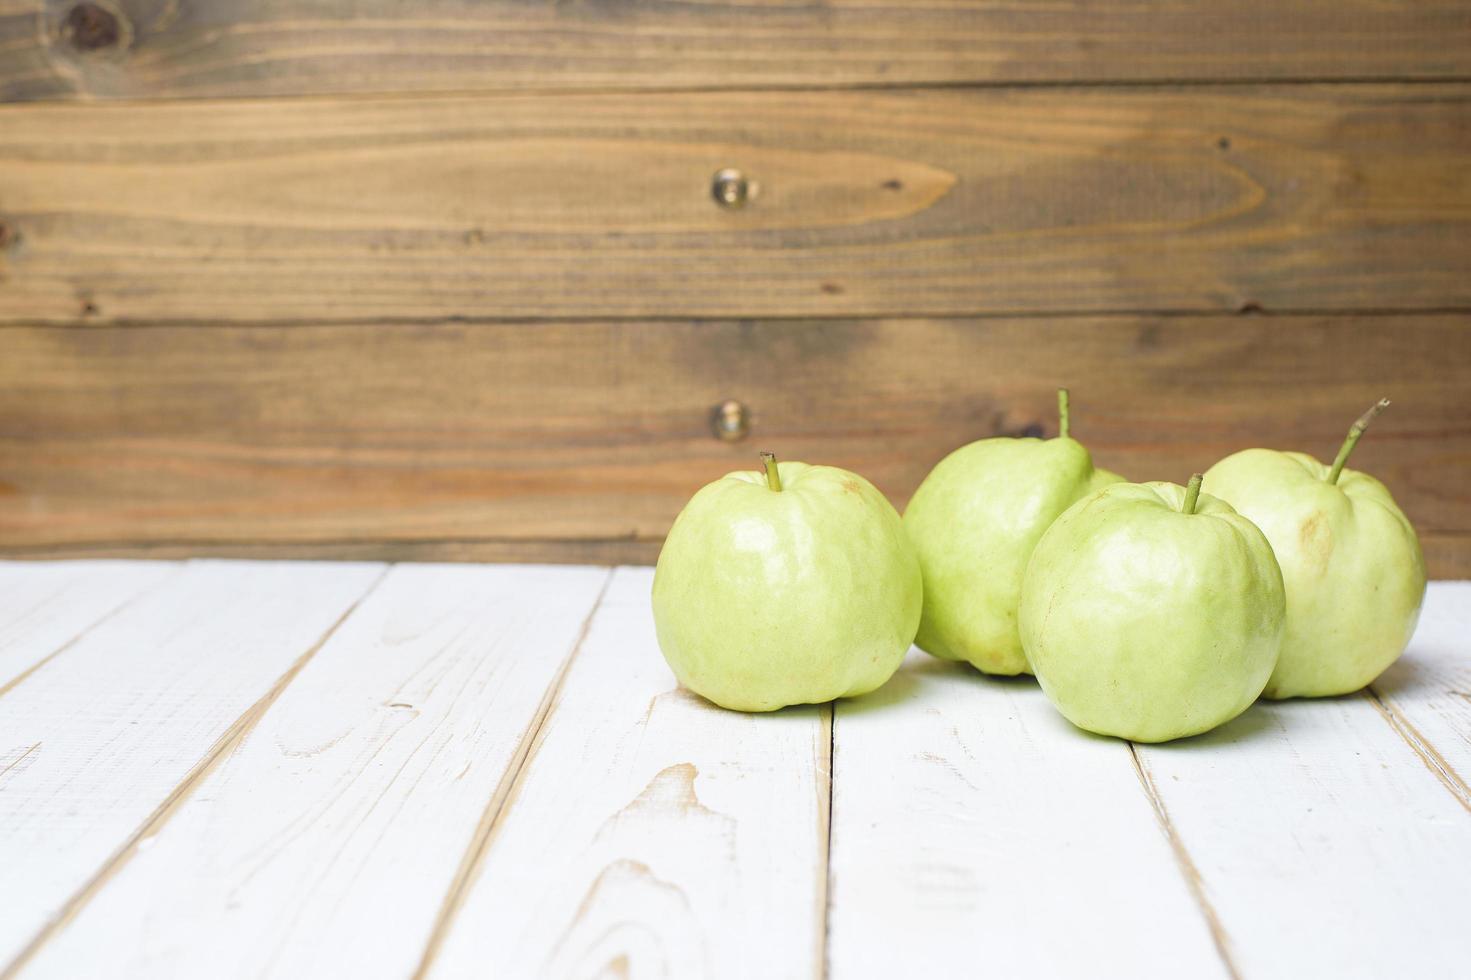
(448, 280)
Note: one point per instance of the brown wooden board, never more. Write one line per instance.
(581, 441)
(163, 48)
(867, 203)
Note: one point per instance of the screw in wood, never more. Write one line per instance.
(730, 188)
(730, 421)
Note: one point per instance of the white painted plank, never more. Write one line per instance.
(1325, 845)
(977, 833)
(654, 835)
(1427, 692)
(325, 845)
(46, 605)
(116, 723)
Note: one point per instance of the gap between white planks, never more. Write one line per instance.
(46, 607)
(651, 833)
(348, 832)
(324, 844)
(975, 831)
(1426, 694)
(1330, 842)
(120, 719)
(426, 796)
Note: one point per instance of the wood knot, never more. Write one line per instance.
(91, 27)
(8, 235)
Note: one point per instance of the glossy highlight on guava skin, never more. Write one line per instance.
(974, 521)
(1152, 611)
(1350, 559)
(793, 586)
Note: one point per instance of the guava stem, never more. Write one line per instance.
(773, 478)
(1062, 413)
(1192, 494)
(1354, 432)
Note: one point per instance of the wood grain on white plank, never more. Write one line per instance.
(1325, 845)
(326, 843)
(976, 832)
(122, 718)
(652, 834)
(46, 605)
(1427, 692)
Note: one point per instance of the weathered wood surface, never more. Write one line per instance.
(581, 441)
(327, 842)
(44, 608)
(556, 551)
(973, 825)
(1427, 693)
(868, 203)
(150, 48)
(1317, 831)
(652, 834)
(116, 726)
(611, 824)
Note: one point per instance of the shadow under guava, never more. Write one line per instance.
(919, 672)
(1252, 723)
(1411, 675)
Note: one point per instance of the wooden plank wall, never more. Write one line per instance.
(450, 280)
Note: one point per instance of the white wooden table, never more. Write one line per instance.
(220, 769)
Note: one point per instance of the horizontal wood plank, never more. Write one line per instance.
(652, 834)
(582, 441)
(148, 49)
(326, 844)
(1447, 554)
(973, 825)
(940, 202)
(561, 551)
(122, 720)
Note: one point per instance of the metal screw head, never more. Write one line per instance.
(730, 421)
(730, 188)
